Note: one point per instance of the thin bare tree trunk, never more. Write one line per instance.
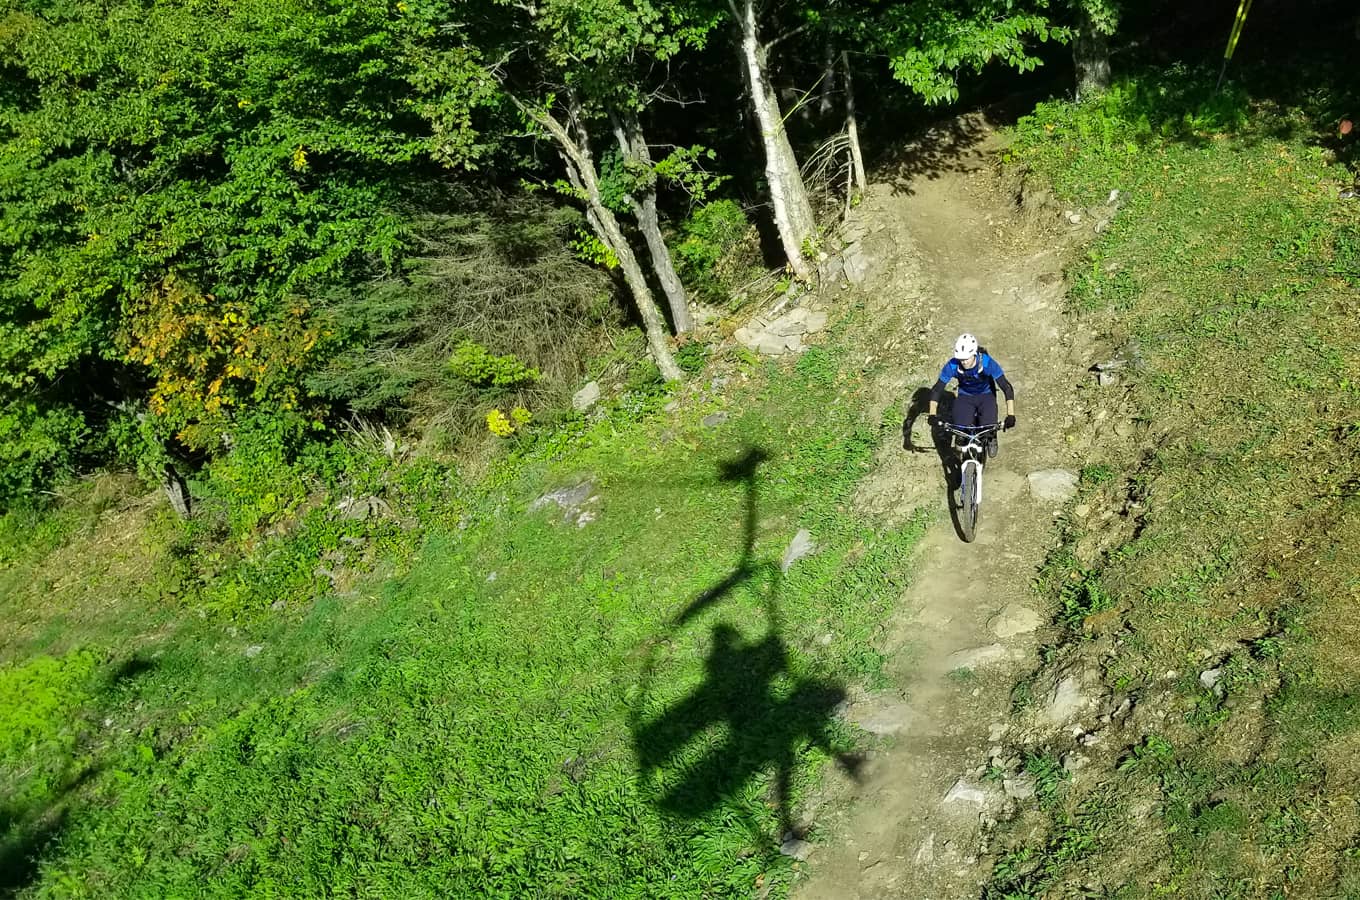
(177, 491)
(852, 127)
(628, 131)
(1091, 57)
(788, 195)
(828, 87)
(575, 149)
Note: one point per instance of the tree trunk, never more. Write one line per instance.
(632, 144)
(575, 148)
(1091, 57)
(788, 195)
(852, 127)
(828, 86)
(177, 492)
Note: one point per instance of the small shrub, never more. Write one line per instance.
(709, 236)
(476, 365)
(692, 357)
(1097, 473)
(501, 425)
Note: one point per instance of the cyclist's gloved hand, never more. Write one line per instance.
(1010, 422)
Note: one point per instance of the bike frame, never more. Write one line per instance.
(972, 452)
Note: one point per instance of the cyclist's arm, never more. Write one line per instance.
(1008, 392)
(935, 394)
(947, 374)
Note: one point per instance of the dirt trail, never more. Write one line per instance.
(960, 260)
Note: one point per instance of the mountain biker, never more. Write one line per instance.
(978, 376)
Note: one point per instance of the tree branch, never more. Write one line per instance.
(548, 122)
(769, 45)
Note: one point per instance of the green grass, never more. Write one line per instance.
(1228, 278)
(633, 708)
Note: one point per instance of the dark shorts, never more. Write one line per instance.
(975, 409)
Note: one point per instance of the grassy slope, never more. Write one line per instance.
(530, 712)
(1232, 272)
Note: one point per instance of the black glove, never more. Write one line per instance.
(1009, 423)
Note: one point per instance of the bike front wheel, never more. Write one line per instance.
(970, 499)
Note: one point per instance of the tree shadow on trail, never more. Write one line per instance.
(772, 715)
(948, 146)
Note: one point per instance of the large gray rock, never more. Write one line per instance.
(883, 718)
(925, 855)
(1020, 787)
(858, 264)
(1014, 619)
(963, 792)
(770, 344)
(816, 321)
(360, 508)
(1053, 485)
(586, 397)
(974, 657)
(571, 500)
(797, 848)
(1065, 701)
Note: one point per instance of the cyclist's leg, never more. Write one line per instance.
(966, 410)
(987, 416)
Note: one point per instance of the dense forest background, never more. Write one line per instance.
(244, 229)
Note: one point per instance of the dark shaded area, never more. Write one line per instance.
(132, 668)
(747, 686)
(29, 829)
(23, 839)
(946, 147)
(26, 833)
(741, 469)
(767, 730)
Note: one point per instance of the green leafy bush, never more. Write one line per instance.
(692, 357)
(36, 444)
(709, 237)
(479, 367)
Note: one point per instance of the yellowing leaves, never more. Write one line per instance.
(208, 355)
(501, 425)
(300, 158)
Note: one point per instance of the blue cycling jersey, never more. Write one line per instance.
(981, 379)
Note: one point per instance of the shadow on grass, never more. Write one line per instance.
(30, 827)
(23, 838)
(772, 715)
(27, 832)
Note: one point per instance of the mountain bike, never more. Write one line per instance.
(971, 447)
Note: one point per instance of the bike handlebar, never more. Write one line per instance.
(968, 430)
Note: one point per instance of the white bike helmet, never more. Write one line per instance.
(965, 347)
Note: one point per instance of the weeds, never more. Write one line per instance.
(512, 716)
(1228, 253)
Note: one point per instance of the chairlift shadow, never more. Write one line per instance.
(771, 714)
